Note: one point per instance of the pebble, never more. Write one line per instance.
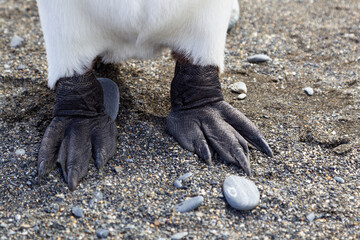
(178, 236)
(310, 217)
(16, 41)
(98, 196)
(178, 182)
(241, 96)
(77, 212)
(20, 152)
(6, 66)
(309, 91)
(21, 67)
(238, 87)
(102, 233)
(258, 58)
(17, 217)
(28, 183)
(241, 193)
(339, 179)
(189, 204)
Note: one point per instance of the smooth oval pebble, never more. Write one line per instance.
(309, 91)
(258, 58)
(189, 204)
(241, 193)
(178, 182)
(178, 236)
(238, 87)
(241, 96)
(102, 233)
(77, 212)
(339, 179)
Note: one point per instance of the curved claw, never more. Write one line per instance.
(245, 127)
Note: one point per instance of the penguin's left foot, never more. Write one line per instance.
(203, 123)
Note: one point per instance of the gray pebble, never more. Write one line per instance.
(102, 233)
(238, 87)
(189, 204)
(28, 183)
(241, 193)
(77, 212)
(241, 96)
(6, 66)
(16, 41)
(98, 196)
(21, 67)
(178, 236)
(178, 182)
(20, 152)
(258, 58)
(309, 91)
(339, 179)
(310, 217)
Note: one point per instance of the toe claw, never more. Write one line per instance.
(73, 180)
(205, 153)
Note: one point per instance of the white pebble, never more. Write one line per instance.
(16, 41)
(309, 91)
(241, 193)
(258, 58)
(241, 96)
(310, 217)
(20, 152)
(178, 236)
(17, 217)
(238, 87)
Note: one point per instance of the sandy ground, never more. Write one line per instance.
(314, 138)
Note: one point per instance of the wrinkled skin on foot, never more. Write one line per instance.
(79, 131)
(203, 123)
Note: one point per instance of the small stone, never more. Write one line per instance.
(310, 217)
(77, 212)
(16, 41)
(178, 182)
(98, 196)
(21, 67)
(258, 58)
(309, 91)
(17, 217)
(178, 236)
(102, 233)
(238, 87)
(28, 183)
(20, 152)
(118, 169)
(189, 204)
(241, 193)
(6, 66)
(339, 179)
(241, 96)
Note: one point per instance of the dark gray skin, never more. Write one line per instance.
(200, 120)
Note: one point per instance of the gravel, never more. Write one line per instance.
(314, 139)
(310, 217)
